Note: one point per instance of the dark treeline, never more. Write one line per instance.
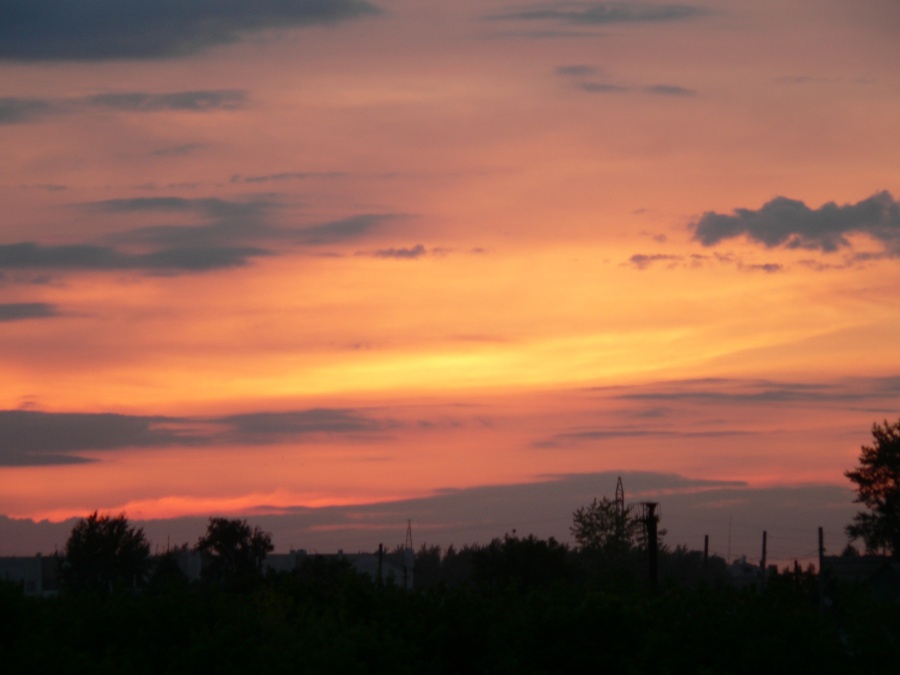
(535, 562)
(516, 605)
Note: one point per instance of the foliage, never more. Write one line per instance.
(328, 620)
(684, 566)
(166, 575)
(515, 606)
(450, 568)
(600, 528)
(104, 553)
(233, 550)
(877, 480)
(522, 562)
(427, 570)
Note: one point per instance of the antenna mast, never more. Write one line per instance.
(620, 510)
(409, 558)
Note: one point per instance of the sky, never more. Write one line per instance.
(337, 265)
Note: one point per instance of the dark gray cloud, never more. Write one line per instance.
(178, 150)
(31, 438)
(21, 110)
(30, 255)
(286, 175)
(199, 100)
(273, 426)
(602, 88)
(91, 30)
(17, 110)
(577, 70)
(36, 438)
(668, 90)
(599, 13)
(545, 34)
(411, 253)
(225, 235)
(229, 234)
(229, 225)
(19, 311)
(209, 207)
(725, 391)
(643, 261)
(593, 87)
(769, 268)
(233, 222)
(579, 76)
(195, 259)
(790, 223)
(617, 433)
(345, 229)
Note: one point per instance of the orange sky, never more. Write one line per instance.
(371, 252)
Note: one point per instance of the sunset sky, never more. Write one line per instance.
(336, 264)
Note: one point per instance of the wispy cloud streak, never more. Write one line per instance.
(599, 13)
(22, 110)
(30, 255)
(20, 311)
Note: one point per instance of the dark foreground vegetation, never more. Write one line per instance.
(515, 606)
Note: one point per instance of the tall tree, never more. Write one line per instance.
(233, 549)
(600, 527)
(877, 480)
(104, 553)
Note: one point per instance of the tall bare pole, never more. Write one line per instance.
(380, 564)
(705, 554)
(620, 510)
(821, 569)
(762, 561)
(409, 557)
(821, 549)
(651, 520)
(729, 540)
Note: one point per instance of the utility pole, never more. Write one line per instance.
(821, 550)
(821, 569)
(651, 520)
(705, 555)
(409, 558)
(380, 564)
(729, 540)
(620, 510)
(762, 562)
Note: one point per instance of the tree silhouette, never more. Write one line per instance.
(600, 528)
(104, 553)
(877, 480)
(526, 562)
(233, 550)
